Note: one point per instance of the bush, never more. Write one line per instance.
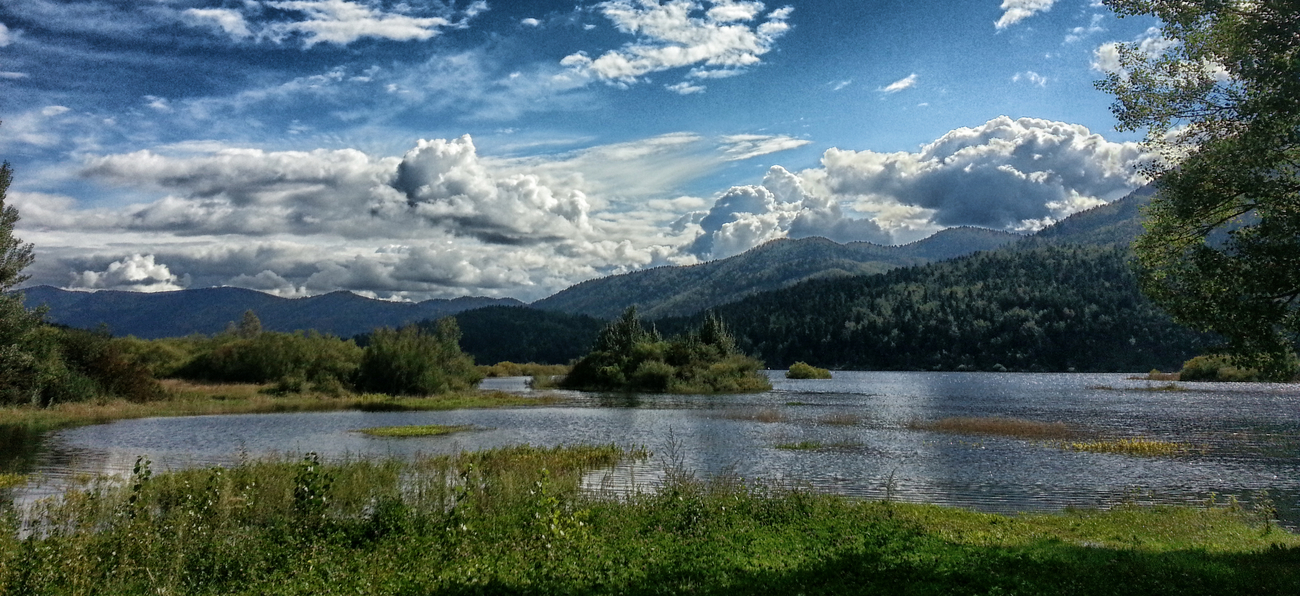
(411, 361)
(627, 357)
(1216, 367)
(803, 370)
(270, 357)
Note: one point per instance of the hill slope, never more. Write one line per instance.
(208, 310)
(677, 291)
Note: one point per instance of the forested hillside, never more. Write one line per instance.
(521, 334)
(1050, 308)
(680, 291)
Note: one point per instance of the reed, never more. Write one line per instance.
(1135, 446)
(426, 430)
(1007, 427)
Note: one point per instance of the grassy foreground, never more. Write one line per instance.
(194, 399)
(513, 521)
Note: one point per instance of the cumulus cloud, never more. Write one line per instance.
(5, 37)
(1014, 11)
(719, 41)
(906, 82)
(530, 22)
(446, 183)
(136, 273)
(1106, 58)
(1093, 28)
(1005, 174)
(746, 216)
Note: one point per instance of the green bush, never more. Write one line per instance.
(627, 357)
(412, 361)
(270, 357)
(1218, 367)
(803, 370)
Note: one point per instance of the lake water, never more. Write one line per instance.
(1246, 438)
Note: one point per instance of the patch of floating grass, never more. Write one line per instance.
(800, 446)
(426, 430)
(757, 415)
(1148, 387)
(1137, 446)
(841, 419)
(1008, 427)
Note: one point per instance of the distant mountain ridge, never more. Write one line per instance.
(208, 310)
(678, 291)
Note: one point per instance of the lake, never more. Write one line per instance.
(1244, 439)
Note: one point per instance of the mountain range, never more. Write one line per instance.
(210, 310)
(658, 293)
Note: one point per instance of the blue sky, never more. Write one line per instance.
(413, 150)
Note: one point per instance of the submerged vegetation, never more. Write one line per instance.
(515, 521)
(627, 357)
(1136, 446)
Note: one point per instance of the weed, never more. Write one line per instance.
(755, 414)
(841, 419)
(1137, 446)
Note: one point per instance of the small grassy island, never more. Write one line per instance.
(803, 370)
(627, 357)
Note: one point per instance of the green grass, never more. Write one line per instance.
(9, 479)
(513, 521)
(427, 430)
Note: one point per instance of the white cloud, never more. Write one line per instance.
(338, 22)
(5, 37)
(1015, 11)
(1093, 28)
(738, 147)
(1106, 58)
(747, 216)
(136, 273)
(904, 83)
(13, 75)
(1005, 174)
(1032, 77)
(685, 88)
(530, 22)
(675, 34)
(228, 21)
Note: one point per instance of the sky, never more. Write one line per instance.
(410, 150)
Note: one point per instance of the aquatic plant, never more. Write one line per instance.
(755, 414)
(800, 446)
(1009, 427)
(840, 419)
(426, 430)
(1128, 446)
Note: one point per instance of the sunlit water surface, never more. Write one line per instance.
(1245, 439)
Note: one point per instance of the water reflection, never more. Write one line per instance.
(1248, 438)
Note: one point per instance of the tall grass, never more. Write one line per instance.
(513, 521)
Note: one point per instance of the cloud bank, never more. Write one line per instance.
(442, 221)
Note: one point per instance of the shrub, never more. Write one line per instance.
(803, 370)
(1216, 367)
(411, 361)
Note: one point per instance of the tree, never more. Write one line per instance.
(20, 368)
(412, 361)
(1221, 106)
